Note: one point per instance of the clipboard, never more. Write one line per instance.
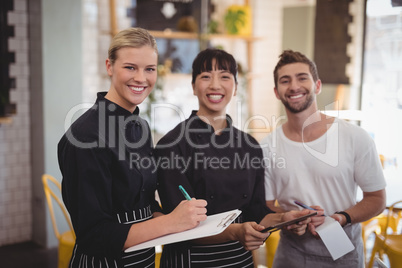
(213, 225)
(278, 226)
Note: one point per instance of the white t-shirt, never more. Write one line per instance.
(324, 172)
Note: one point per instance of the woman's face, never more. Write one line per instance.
(133, 76)
(214, 90)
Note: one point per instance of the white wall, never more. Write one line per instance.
(267, 24)
(62, 76)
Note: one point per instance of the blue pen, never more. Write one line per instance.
(304, 206)
(184, 192)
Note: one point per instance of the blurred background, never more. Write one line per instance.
(52, 64)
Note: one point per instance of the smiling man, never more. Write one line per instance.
(325, 160)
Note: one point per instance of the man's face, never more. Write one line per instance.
(296, 87)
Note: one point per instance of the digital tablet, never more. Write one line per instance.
(278, 226)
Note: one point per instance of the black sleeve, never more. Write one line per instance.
(86, 190)
(172, 172)
(258, 208)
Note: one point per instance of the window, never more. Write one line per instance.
(382, 88)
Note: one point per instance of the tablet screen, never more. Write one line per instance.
(278, 226)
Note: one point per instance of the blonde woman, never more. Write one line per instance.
(106, 161)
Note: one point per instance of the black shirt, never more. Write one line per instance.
(226, 170)
(108, 181)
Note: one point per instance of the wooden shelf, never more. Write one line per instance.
(168, 34)
(174, 35)
(5, 120)
(184, 35)
(231, 36)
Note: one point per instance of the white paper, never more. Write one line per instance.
(213, 225)
(334, 238)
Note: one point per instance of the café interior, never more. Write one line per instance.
(53, 63)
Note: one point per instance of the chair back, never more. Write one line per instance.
(51, 195)
(393, 217)
(379, 263)
(389, 242)
(271, 245)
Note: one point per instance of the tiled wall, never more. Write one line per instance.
(268, 24)
(96, 27)
(15, 169)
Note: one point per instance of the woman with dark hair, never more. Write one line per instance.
(219, 163)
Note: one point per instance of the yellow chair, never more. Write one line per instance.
(66, 239)
(378, 225)
(389, 243)
(371, 226)
(270, 246)
(158, 255)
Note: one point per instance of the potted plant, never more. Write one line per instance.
(237, 20)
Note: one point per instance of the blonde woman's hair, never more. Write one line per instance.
(131, 37)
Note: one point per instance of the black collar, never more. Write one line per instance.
(197, 122)
(112, 108)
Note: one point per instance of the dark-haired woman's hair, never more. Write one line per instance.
(223, 61)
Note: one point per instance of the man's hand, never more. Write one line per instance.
(316, 220)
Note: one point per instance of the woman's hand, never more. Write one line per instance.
(187, 215)
(300, 227)
(249, 234)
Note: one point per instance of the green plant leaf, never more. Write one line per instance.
(234, 20)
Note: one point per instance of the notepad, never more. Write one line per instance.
(334, 238)
(213, 225)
